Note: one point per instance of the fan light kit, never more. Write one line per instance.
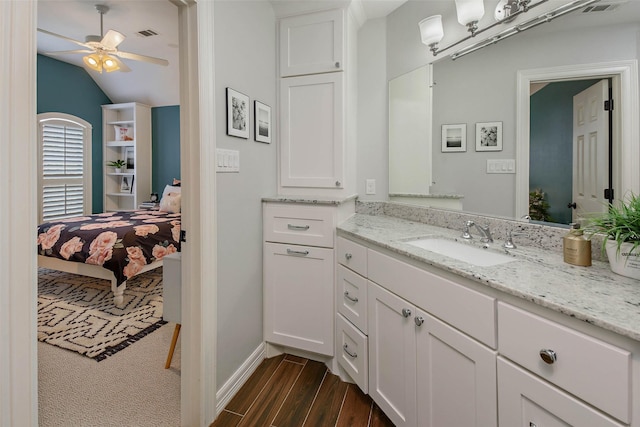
(102, 51)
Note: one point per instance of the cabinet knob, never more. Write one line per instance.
(348, 256)
(337, 64)
(419, 320)
(338, 183)
(548, 356)
(406, 312)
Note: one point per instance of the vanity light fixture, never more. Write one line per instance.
(471, 11)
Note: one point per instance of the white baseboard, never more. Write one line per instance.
(237, 380)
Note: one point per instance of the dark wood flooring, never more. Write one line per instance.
(288, 391)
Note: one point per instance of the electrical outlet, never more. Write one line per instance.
(371, 186)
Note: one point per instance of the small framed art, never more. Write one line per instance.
(126, 184)
(262, 122)
(237, 114)
(454, 138)
(129, 158)
(489, 136)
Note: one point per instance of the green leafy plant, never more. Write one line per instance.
(621, 223)
(117, 163)
(538, 206)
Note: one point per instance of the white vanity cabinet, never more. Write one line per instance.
(312, 43)
(299, 271)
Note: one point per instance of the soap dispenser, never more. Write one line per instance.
(576, 247)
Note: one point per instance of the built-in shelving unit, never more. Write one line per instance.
(126, 130)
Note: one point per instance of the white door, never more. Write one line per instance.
(392, 355)
(312, 131)
(298, 297)
(456, 377)
(590, 151)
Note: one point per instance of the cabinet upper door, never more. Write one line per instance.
(312, 131)
(312, 43)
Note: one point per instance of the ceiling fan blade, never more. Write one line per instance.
(63, 37)
(112, 39)
(123, 67)
(144, 58)
(65, 52)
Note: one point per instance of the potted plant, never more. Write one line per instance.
(117, 164)
(621, 227)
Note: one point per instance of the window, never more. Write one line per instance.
(64, 159)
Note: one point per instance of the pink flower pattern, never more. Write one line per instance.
(160, 251)
(50, 237)
(70, 247)
(146, 229)
(101, 249)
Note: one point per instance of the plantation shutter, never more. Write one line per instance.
(63, 169)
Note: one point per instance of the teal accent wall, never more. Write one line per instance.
(551, 151)
(69, 89)
(165, 146)
(66, 88)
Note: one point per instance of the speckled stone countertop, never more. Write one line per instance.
(428, 196)
(312, 200)
(592, 294)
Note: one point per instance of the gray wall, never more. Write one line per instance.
(476, 88)
(245, 37)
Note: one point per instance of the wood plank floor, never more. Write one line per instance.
(289, 391)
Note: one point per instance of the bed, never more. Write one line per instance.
(114, 245)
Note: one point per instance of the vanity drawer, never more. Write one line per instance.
(352, 352)
(299, 225)
(590, 369)
(351, 297)
(352, 255)
(465, 309)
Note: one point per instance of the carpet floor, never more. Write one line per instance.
(77, 312)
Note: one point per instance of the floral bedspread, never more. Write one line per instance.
(123, 242)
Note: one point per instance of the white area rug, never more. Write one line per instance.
(77, 312)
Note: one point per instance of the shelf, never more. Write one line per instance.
(121, 194)
(122, 122)
(121, 173)
(121, 143)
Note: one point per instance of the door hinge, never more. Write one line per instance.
(608, 193)
(183, 236)
(608, 105)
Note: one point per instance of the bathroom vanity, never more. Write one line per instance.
(529, 341)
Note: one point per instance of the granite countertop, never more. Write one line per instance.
(427, 196)
(593, 294)
(313, 200)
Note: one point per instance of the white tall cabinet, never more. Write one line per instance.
(125, 189)
(317, 108)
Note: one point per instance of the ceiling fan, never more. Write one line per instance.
(103, 53)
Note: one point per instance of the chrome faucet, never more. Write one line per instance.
(483, 230)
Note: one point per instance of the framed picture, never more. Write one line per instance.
(454, 138)
(126, 184)
(489, 136)
(128, 157)
(237, 114)
(262, 122)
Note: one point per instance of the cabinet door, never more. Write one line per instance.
(392, 355)
(298, 297)
(525, 400)
(456, 377)
(312, 43)
(311, 131)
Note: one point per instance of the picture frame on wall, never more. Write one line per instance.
(129, 158)
(237, 114)
(454, 138)
(262, 122)
(489, 136)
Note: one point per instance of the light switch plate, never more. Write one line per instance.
(227, 160)
(501, 166)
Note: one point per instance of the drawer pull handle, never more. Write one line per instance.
(337, 65)
(348, 256)
(419, 320)
(298, 253)
(297, 227)
(349, 297)
(346, 350)
(406, 312)
(532, 424)
(548, 356)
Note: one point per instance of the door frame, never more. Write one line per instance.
(626, 153)
(18, 263)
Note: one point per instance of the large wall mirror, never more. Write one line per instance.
(526, 85)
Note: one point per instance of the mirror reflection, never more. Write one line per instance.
(483, 88)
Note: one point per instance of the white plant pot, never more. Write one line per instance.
(624, 262)
(118, 170)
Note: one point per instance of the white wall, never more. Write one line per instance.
(245, 37)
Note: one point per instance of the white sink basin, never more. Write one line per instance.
(461, 251)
